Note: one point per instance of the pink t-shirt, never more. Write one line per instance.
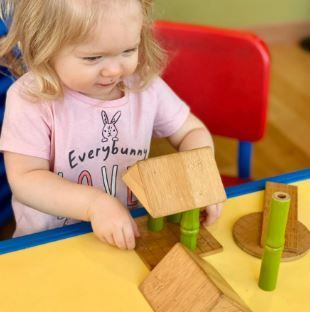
(87, 140)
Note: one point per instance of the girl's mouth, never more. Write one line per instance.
(105, 84)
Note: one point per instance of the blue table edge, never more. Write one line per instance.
(68, 231)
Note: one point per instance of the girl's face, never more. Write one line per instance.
(96, 66)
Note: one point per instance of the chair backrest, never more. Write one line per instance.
(222, 74)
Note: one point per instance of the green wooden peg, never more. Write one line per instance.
(189, 228)
(275, 239)
(175, 218)
(155, 224)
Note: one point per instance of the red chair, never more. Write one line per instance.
(224, 76)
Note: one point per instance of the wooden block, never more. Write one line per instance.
(291, 243)
(153, 246)
(177, 182)
(224, 305)
(184, 282)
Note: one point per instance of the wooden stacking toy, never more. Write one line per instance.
(177, 183)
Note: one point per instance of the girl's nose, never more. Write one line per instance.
(111, 67)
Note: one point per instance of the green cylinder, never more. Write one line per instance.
(155, 224)
(280, 204)
(175, 218)
(269, 268)
(189, 228)
(274, 245)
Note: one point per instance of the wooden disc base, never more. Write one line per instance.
(247, 234)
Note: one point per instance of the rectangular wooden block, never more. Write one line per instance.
(291, 243)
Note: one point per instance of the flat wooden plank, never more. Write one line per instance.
(133, 181)
(181, 181)
(184, 282)
(153, 246)
(166, 185)
(204, 180)
(227, 305)
(178, 284)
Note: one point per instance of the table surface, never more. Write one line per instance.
(80, 273)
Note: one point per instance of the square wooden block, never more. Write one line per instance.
(153, 246)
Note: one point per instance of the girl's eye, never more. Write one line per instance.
(91, 58)
(128, 52)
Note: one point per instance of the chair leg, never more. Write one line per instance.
(244, 159)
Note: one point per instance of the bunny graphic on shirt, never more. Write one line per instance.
(109, 130)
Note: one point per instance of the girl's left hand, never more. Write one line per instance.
(210, 214)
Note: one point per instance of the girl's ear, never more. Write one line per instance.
(116, 117)
(105, 118)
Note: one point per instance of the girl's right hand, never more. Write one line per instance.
(112, 223)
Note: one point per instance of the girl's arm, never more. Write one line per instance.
(34, 185)
(194, 134)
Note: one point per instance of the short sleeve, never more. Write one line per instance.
(26, 126)
(171, 112)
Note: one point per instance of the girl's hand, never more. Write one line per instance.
(112, 223)
(211, 214)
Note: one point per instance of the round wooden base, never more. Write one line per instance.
(247, 231)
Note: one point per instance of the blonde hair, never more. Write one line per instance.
(40, 28)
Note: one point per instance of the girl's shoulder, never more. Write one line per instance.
(156, 84)
(23, 84)
(159, 88)
(22, 89)
(20, 97)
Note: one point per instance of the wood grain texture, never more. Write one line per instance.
(291, 243)
(247, 235)
(225, 304)
(176, 182)
(133, 180)
(153, 246)
(183, 282)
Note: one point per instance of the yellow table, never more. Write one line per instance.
(82, 274)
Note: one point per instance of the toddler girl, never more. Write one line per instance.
(85, 107)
